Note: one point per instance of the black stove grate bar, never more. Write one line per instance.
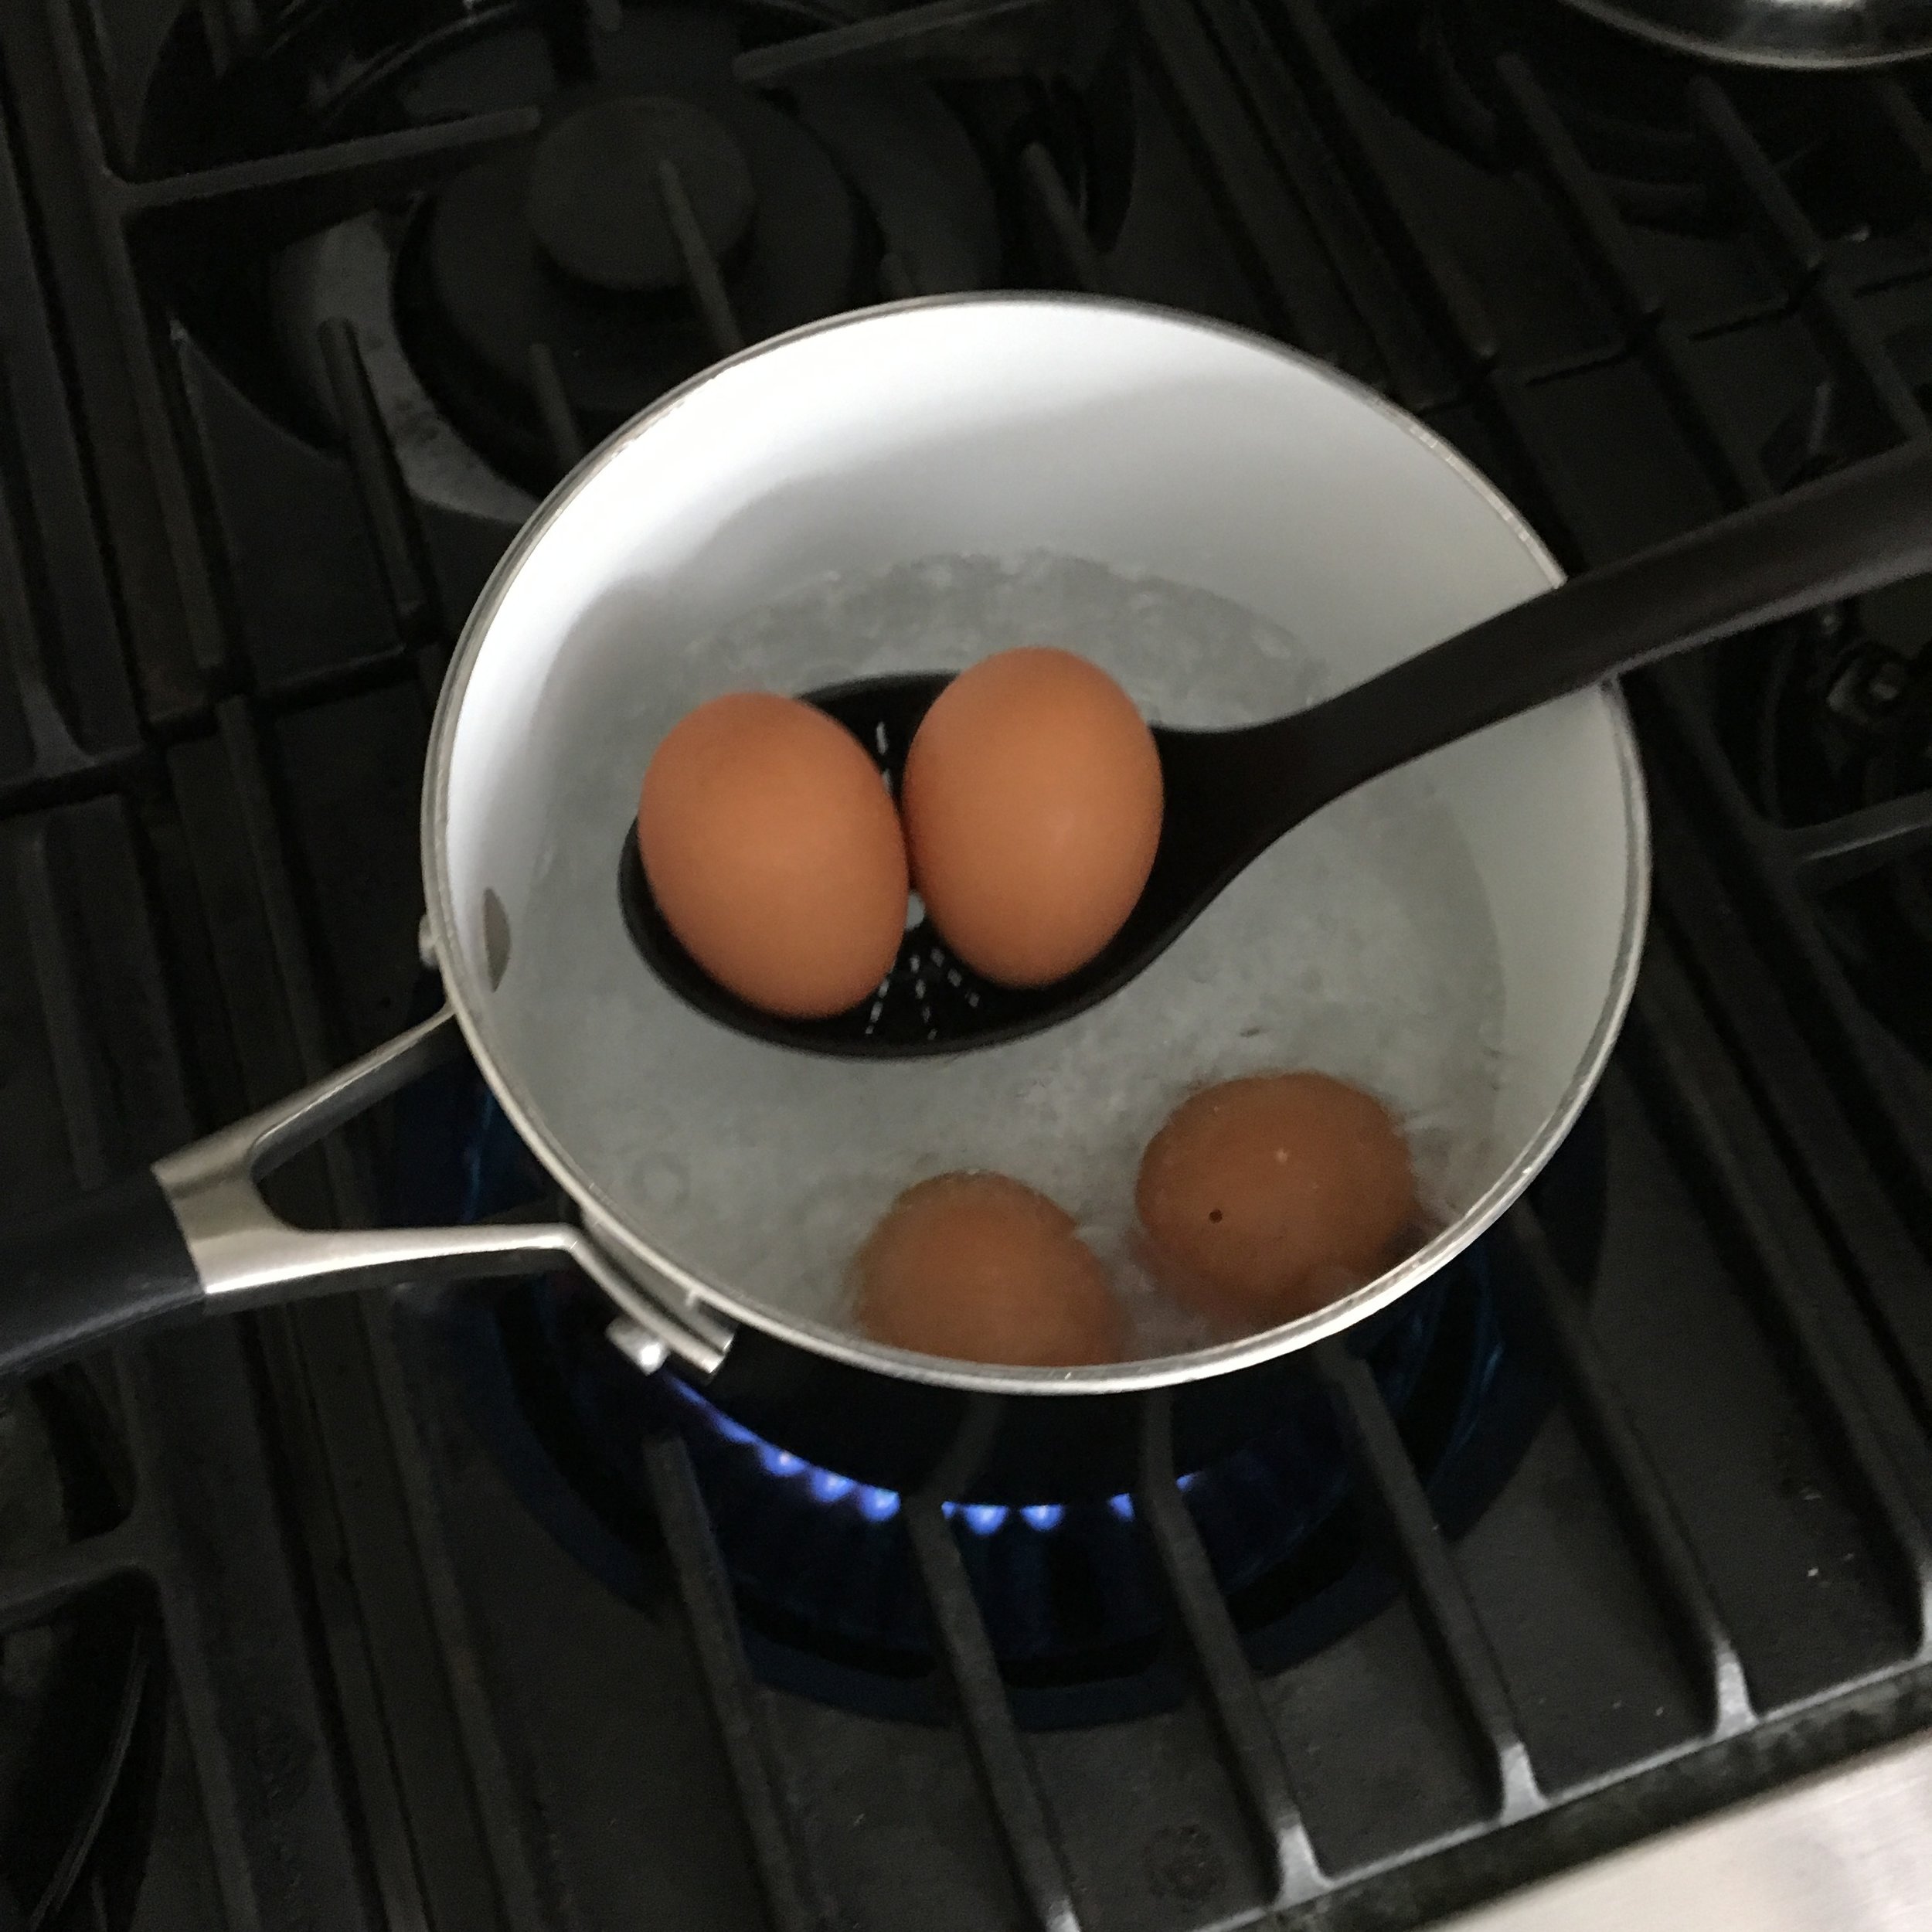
(51, 751)
(38, 1590)
(1405, 229)
(395, 531)
(1799, 254)
(1415, 371)
(1079, 261)
(570, 28)
(792, 1892)
(1836, 317)
(1198, 1610)
(1266, 218)
(371, 674)
(1632, 291)
(87, 721)
(64, 990)
(895, 279)
(140, 1663)
(360, 1584)
(1888, 112)
(1756, 191)
(1695, 1077)
(234, 29)
(445, 1838)
(1836, 851)
(906, 35)
(1800, 446)
(262, 203)
(1558, 496)
(1387, 1487)
(999, 1755)
(264, 844)
(33, 1590)
(1815, 1137)
(163, 570)
(432, 664)
(1551, 488)
(561, 429)
(1761, 871)
(702, 280)
(1721, 446)
(101, 990)
(1637, 1490)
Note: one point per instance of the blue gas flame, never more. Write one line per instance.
(831, 1490)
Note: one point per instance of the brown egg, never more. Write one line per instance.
(775, 853)
(1262, 1199)
(1032, 801)
(983, 1269)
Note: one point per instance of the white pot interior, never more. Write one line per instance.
(992, 428)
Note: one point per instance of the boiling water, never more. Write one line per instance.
(1362, 946)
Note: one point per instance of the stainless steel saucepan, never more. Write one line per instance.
(716, 1177)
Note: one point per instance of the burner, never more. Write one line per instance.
(598, 189)
(643, 235)
(665, 212)
(821, 1563)
(1623, 100)
(820, 1558)
(79, 1713)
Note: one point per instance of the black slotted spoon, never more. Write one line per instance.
(1230, 794)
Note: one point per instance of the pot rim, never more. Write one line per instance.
(657, 1274)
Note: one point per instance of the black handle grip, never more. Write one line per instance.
(1864, 526)
(92, 1269)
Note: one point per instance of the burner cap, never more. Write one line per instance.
(596, 202)
(569, 244)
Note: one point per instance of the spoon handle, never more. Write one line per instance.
(1863, 527)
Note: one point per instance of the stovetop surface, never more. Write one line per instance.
(391, 1613)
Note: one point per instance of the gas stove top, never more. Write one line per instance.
(428, 1610)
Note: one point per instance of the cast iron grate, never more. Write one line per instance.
(1341, 250)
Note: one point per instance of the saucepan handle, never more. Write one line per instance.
(192, 1235)
(91, 1270)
